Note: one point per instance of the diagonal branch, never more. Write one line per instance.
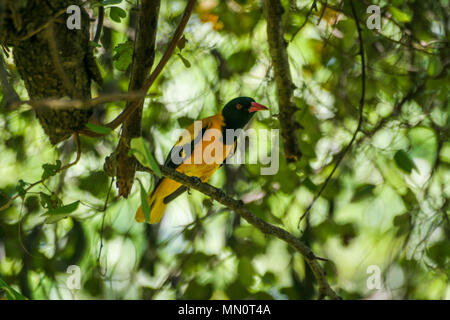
(267, 228)
(172, 45)
(280, 60)
(313, 7)
(134, 105)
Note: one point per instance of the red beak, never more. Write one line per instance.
(256, 107)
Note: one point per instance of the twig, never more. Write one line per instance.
(62, 103)
(285, 86)
(98, 31)
(134, 105)
(360, 120)
(102, 228)
(42, 27)
(267, 228)
(313, 6)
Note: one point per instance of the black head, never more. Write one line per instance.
(238, 112)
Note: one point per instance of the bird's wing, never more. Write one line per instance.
(186, 143)
(183, 148)
(231, 153)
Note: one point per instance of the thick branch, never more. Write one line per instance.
(267, 228)
(278, 52)
(143, 58)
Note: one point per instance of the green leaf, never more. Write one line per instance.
(404, 161)
(98, 129)
(440, 253)
(20, 188)
(141, 151)
(94, 44)
(185, 61)
(182, 43)
(363, 192)
(242, 61)
(246, 272)
(144, 203)
(123, 55)
(196, 291)
(45, 200)
(64, 209)
(402, 222)
(50, 170)
(309, 184)
(399, 15)
(49, 201)
(268, 278)
(55, 218)
(434, 66)
(236, 291)
(11, 294)
(117, 14)
(60, 213)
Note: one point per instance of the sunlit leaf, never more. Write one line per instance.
(11, 293)
(117, 14)
(142, 153)
(123, 55)
(98, 129)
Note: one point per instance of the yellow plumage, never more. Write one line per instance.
(204, 170)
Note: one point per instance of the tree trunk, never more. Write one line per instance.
(53, 61)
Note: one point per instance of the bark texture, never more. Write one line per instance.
(53, 61)
(285, 86)
(143, 58)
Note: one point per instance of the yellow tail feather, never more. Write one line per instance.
(156, 201)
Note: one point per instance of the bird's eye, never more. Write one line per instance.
(239, 106)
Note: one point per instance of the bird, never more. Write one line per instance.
(201, 149)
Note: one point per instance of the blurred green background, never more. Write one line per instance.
(387, 205)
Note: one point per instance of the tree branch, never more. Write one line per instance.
(267, 228)
(313, 7)
(143, 58)
(278, 52)
(101, 17)
(63, 103)
(172, 45)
